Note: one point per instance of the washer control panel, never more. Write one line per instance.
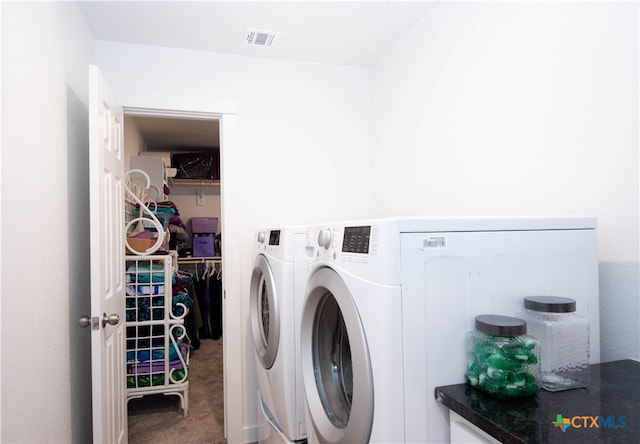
(347, 244)
(356, 239)
(370, 249)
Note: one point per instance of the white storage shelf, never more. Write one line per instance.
(157, 345)
(194, 182)
(156, 169)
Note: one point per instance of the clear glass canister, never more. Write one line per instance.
(501, 358)
(564, 341)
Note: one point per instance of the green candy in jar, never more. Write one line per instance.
(501, 358)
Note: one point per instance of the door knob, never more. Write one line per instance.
(113, 319)
(86, 321)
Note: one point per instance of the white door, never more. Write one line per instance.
(106, 165)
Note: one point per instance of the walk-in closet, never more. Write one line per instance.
(173, 273)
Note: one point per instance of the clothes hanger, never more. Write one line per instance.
(205, 275)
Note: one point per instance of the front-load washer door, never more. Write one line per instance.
(333, 351)
(265, 316)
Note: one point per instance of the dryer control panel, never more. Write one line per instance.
(274, 237)
(268, 240)
(285, 243)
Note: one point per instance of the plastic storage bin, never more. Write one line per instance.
(501, 358)
(564, 341)
(204, 224)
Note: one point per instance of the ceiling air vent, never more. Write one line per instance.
(258, 37)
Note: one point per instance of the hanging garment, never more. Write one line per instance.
(204, 298)
(209, 290)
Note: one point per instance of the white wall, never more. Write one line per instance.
(46, 49)
(184, 196)
(302, 154)
(520, 109)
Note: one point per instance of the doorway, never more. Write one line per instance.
(156, 136)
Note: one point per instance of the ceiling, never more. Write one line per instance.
(174, 134)
(334, 32)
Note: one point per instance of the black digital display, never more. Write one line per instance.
(274, 237)
(356, 239)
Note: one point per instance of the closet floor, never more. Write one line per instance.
(157, 419)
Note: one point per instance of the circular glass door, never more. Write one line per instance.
(265, 323)
(332, 361)
(333, 350)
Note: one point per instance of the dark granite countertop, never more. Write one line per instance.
(608, 410)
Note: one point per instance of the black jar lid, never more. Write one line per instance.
(501, 325)
(550, 304)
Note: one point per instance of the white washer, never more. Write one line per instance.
(276, 293)
(388, 301)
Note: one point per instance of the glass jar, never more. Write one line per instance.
(501, 358)
(564, 341)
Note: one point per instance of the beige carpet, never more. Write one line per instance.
(157, 419)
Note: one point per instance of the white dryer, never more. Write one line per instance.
(388, 301)
(276, 293)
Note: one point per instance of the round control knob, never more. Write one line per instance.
(324, 238)
(261, 237)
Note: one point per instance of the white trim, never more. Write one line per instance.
(148, 112)
(233, 321)
(224, 111)
(181, 104)
(1, 120)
